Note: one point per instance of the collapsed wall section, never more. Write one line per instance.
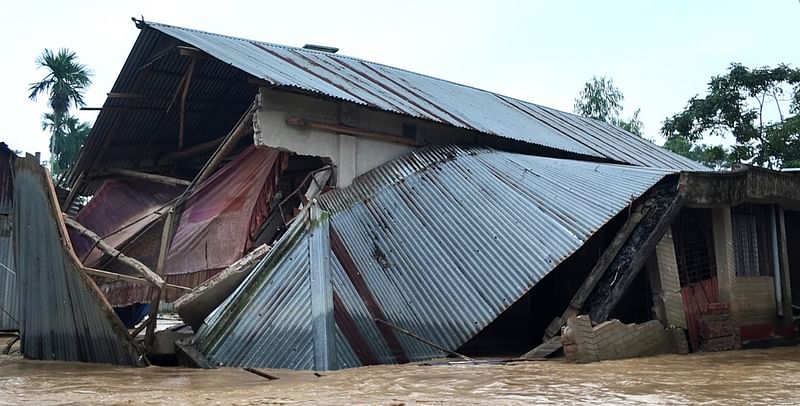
(438, 243)
(63, 316)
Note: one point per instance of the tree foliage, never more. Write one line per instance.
(736, 106)
(65, 83)
(601, 100)
(67, 135)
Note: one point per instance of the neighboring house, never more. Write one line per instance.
(398, 205)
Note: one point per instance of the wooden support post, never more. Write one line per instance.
(786, 281)
(107, 249)
(182, 123)
(166, 180)
(163, 251)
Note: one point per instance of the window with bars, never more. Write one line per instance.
(752, 243)
(693, 237)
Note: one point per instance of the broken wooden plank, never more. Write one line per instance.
(597, 271)
(545, 349)
(190, 357)
(107, 249)
(629, 262)
(261, 374)
(340, 129)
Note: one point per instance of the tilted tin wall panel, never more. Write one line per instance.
(447, 248)
(345, 356)
(63, 315)
(9, 305)
(269, 324)
(439, 242)
(353, 306)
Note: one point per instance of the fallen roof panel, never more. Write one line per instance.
(439, 242)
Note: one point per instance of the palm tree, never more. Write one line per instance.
(65, 84)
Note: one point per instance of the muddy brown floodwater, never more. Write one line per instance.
(755, 376)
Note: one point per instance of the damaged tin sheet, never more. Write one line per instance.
(63, 315)
(420, 96)
(439, 242)
(8, 276)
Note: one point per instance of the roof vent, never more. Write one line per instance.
(321, 48)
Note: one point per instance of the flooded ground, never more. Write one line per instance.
(755, 376)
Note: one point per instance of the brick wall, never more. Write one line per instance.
(615, 340)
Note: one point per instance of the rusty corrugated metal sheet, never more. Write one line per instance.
(63, 316)
(439, 242)
(400, 91)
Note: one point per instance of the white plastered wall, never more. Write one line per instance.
(352, 156)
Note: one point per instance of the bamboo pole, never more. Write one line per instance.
(128, 278)
(424, 340)
(103, 246)
(243, 126)
(166, 180)
(163, 251)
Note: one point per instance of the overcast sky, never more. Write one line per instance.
(658, 53)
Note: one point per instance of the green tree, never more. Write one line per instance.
(67, 136)
(736, 106)
(65, 83)
(601, 100)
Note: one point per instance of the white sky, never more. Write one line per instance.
(658, 53)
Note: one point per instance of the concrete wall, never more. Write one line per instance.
(662, 270)
(615, 340)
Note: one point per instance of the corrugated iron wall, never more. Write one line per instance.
(439, 242)
(267, 322)
(8, 277)
(63, 314)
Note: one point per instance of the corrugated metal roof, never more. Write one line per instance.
(133, 131)
(439, 242)
(400, 91)
(63, 315)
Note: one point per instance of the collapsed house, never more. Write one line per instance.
(308, 210)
